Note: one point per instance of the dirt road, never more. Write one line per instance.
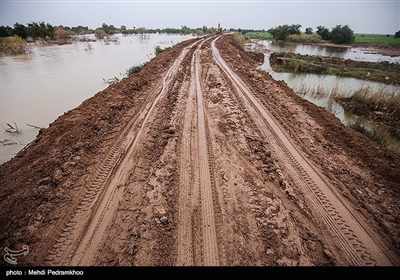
(201, 159)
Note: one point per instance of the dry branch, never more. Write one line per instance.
(33, 126)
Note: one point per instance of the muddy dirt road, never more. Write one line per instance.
(201, 159)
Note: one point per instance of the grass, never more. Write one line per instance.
(379, 107)
(377, 40)
(375, 113)
(258, 35)
(371, 38)
(135, 69)
(383, 72)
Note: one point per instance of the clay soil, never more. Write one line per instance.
(201, 159)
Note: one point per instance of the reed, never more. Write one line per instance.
(15, 46)
(380, 106)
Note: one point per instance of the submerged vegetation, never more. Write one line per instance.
(15, 45)
(379, 107)
(384, 72)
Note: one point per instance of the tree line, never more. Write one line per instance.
(42, 30)
(340, 34)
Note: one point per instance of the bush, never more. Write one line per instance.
(157, 50)
(99, 33)
(239, 38)
(282, 31)
(342, 35)
(312, 38)
(135, 69)
(15, 46)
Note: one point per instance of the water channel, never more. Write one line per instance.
(36, 88)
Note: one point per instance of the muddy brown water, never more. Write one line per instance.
(36, 88)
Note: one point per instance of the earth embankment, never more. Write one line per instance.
(201, 159)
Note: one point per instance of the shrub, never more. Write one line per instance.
(342, 35)
(135, 69)
(15, 45)
(282, 31)
(239, 38)
(99, 33)
(306, 38)
(157, 50)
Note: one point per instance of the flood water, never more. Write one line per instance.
(36, 88)
(320, 89)
(332, 51)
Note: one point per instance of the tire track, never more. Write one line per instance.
(354, 240)
(210, 257)
(200, 164)
(80, 236)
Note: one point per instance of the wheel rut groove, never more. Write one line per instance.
(344, 227)
(191, 164)
(100, 200)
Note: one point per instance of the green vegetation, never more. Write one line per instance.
(342, 35)
(158, 49)
(135, 69)
(14, 45)
(304, 38)
(383, 72)
(33, 30)
(258, 35)
(282, 31)
(377, 40)
(380, 108)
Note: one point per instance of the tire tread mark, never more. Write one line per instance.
(321, 203)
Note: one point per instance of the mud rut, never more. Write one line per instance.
(181, 186)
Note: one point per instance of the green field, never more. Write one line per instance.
(258, 35)
(360, 39)
(376, 39)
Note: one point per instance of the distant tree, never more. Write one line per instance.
(141, 31)
(100, 33)
(109, 29)
(20, 30)
(323, 32)
(80, 29)
(280, 32)
(397, 34)
(5, 31)
(40, 30)
(342, 35)
(62, 33)
(309, 30)
(185, 29)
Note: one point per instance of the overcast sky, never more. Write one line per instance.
(380, 17)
